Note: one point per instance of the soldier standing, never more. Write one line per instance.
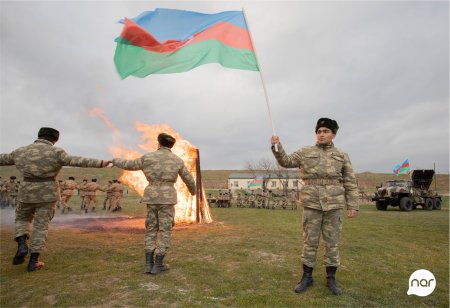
(82, 193)
(91, 195)
(11, 191)
(3, 198)
(39, 163)
(108, 195)
(67, 188)
(330, 185)
(117, 194)
(161, 168)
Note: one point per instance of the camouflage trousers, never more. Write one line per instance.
(82, 198)
(88, 200)
(329, 224)
(38, 214)
(159, 218)
(107, 201)
(65, 200)
(12, 201)
(115, 202)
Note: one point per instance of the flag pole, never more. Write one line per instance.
(260, 73)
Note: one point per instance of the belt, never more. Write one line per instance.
(39, 180)
(322, 181)
(161, 183)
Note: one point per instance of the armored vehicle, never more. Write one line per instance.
(408, 194)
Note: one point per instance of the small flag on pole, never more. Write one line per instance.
(402, 168)
(166, 41)
(257, 182)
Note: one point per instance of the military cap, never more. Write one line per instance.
(166, 140)
(328, 123)
(48, 133)
(12, 177)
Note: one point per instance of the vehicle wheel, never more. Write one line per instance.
(381, 206)
(437, 204)
(406, 204)
(428, 205)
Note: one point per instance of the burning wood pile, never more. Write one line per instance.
(189, 209)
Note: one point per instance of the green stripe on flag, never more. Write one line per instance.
(139, 62)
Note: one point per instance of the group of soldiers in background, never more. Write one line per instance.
(87, 191)
(8, 192)
(261, 199)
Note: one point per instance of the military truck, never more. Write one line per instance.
(408, 194)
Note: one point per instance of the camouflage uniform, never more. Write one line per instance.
(116, 195)
(3, 195)
(108, 196)
(91, 196)
(11, 192)
(67, 188)
(39, 163)
(161, 168)
(82, 193)
(330, 186)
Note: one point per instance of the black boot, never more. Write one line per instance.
(159, 265)
(331, 280)
(34, 263)
(149, 262)
(22, 249)
(306, 280)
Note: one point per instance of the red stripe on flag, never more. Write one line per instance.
(224, 32)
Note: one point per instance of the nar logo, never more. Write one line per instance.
(421, 283)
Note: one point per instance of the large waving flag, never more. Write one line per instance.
(167, 41)
(402, 168)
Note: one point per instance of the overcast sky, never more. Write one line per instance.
(380, 68)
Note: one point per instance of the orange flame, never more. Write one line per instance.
(186, 208)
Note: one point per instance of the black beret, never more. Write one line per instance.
(71, 178)
(94, 180)
(166, 140)
(328, 123)
(12, 177)
(48, 133)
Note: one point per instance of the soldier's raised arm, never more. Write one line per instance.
(287, 161)
(6, 160)
(131, 165)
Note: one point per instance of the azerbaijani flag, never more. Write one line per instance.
(257, 182)
(167, 41)
(402, 168)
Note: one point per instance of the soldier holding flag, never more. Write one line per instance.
(330, 186)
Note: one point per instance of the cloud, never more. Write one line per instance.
(381, 69)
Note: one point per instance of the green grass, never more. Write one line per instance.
(249, 257)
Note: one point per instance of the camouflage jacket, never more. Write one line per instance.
(108, 190)
(330, 182)
(41, 162)
(92, 187)
(82, 189)
(11, 188)
(161, 168)
(117, 189)
(67, 187)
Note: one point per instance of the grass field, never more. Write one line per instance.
(248, 257)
